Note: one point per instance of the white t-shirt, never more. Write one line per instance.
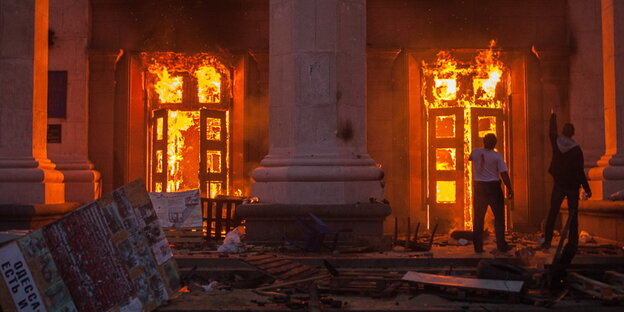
(488, 164)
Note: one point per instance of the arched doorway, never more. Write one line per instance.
(188, 101)
(466, 95)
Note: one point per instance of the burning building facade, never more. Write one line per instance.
(177, 93)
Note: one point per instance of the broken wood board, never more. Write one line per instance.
(463, 282)
(593, 287)
(615, 279)
(280, 268)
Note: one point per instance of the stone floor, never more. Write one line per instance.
(446, 253)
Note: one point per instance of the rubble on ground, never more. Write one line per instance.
(287, 281)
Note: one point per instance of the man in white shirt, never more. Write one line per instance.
(488, 170)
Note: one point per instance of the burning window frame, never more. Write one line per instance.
(467, 69)
(189, 68)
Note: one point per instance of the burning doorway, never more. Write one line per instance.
(189, 102)
(466, 96)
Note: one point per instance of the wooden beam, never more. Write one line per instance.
(592, 287)
(462, 282)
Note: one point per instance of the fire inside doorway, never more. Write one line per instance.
(466, 96)
(189, 101)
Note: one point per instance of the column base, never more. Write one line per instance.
(601, 217)
(318, 193)
(30, 181)
(82, 183)
(24, 217)
(320, 180)
(272, 223)
(608, 177)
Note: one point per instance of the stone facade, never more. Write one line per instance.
(68, 52)
(26, 173)
(564, 55)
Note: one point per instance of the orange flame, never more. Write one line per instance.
(489, 71)
(180, 176)
(206, 69)
(169, 88)
(208, 84)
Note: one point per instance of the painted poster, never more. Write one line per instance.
(19, 280)
(179, 209)
(55, 293)
(108, 255)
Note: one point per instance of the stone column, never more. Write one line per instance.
(317, 159)
(586, 88)
(26, 174)
(70, 23)
(608, 177)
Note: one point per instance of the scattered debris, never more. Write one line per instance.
(467, 235)
(499, 270)
(461, 287)
(595, 288)
(314, 235)
(619, 195)
(232, 242)
(586, 238)
(418, 246)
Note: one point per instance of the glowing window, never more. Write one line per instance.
(158, 187)
(445, 159)
(213, 161)
(208, 85)
(445, 192)
(445, 89)
(486, 124)
(215, 188)
(168, 87)
(159, 161)
(182, 152)
(445, 126)
(159, 128)
(213, 129)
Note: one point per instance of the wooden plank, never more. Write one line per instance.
(183, 234)
(294, 282)
(392, 288)
(615, 279)
(283, 268)
(257, 257)
(462, 282)
(274, 264)
(196, 240)
(314, 304)
(590, 286)
(218, 218)
(298, 273)
(262, 262)
(228, 214)
(207, 214)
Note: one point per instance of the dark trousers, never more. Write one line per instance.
(488, 193)
(558, 194)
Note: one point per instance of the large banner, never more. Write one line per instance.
(179, 209)
(107, 255)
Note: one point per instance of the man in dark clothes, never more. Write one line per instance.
(567, 169)
(489, 169)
